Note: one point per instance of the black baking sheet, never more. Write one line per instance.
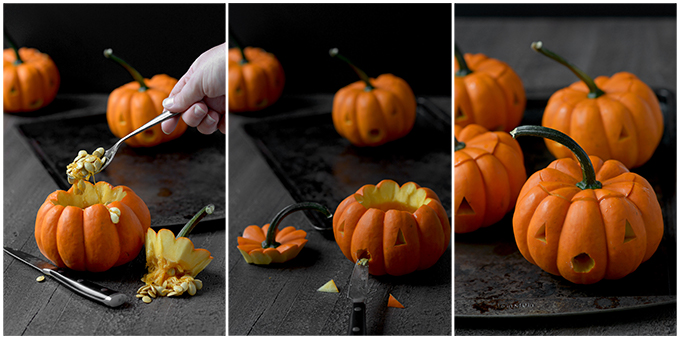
(492, 278)
(175, 179)
(316, 164)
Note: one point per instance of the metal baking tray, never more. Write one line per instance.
(175, 179)
(315, 163)
(492, 278)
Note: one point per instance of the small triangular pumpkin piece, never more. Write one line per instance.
(393, 302)
(329, 287)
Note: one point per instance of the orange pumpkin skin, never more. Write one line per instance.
(489, 173)
(128, 109)
(377, 116)
(491, 96)
(256, 84)
(591, 234)
(397, 241)
(30, 85)
(85, 239)
(625, 123)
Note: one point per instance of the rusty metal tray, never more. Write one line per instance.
(175, 179)
(492, 279)
(315, 163)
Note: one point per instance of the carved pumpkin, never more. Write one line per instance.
(488, 92)
(615, 117)
(100, 228)
(399, 229)
(371, 112)
(489, 173)
(586, 220)
(135, 103)
(31, 79)
(256, 79)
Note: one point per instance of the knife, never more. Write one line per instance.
(88, 289)
(358, 285)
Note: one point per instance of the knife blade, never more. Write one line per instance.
(85, 288)
(358, 286)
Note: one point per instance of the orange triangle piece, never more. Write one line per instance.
(392, 302)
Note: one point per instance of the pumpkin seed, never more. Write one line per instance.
(152, 292)
(178, 289)
(192, 288)
(139, 296)
(40, 278)
(70, 179)
(89, 167)
(103, 160)
(98, 152)
(199, 284)
(82, 153)
(184, 286)
(164, 292)
(146, 299)
(114, 218)
(141, 288)
(80, 165)
(90, 158)
(172, 294)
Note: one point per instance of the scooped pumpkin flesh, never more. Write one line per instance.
(168, 259)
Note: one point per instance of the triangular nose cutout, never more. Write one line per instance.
(400, 239)
(465, 208)
(630, 234)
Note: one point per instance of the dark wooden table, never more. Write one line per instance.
(283, 299)
(48, 308)
(599, 46)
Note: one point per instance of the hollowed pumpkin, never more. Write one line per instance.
(77, 231)
(489, 173)
(586, 220)
(399, 229)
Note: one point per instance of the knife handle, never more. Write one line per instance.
(89, 289)
(357, 322)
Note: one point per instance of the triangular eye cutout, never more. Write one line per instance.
(465, 208)
(630, 234)
(624, 133)
(400, 239)
(460, 114)
(540, 234)
(341, 228)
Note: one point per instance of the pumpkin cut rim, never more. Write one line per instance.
(94, 194)
(389, 196)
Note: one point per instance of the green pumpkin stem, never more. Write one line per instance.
(192, 223)
(595, 91)
(271, 232)
(108, 53)
(362, 75)
(13, 45)
(238, 45)
(459, 145)
(589, 181)
(463, 68)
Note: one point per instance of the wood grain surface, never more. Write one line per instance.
(283, 299)
(48, 308)
(599, 46)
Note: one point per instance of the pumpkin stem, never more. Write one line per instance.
(238, 45)
(108, 53)
(192, 223)
(463, 68)
(589, 181)
(13, 45)
(271, 232)
(458, 144)
(362, 75)
(595, 91)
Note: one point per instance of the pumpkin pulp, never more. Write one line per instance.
(92, 195)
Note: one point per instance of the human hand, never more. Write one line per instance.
(200, 94)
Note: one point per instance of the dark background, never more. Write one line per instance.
(411, 41)
(152, 38)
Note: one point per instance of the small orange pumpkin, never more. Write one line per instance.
(78, 230)
(615, 117)
(31, 79)
(399, 229)
(585, 220)
(371, 112)
(134, 104)
(256, 79)
(489, 173)
(488, 92)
